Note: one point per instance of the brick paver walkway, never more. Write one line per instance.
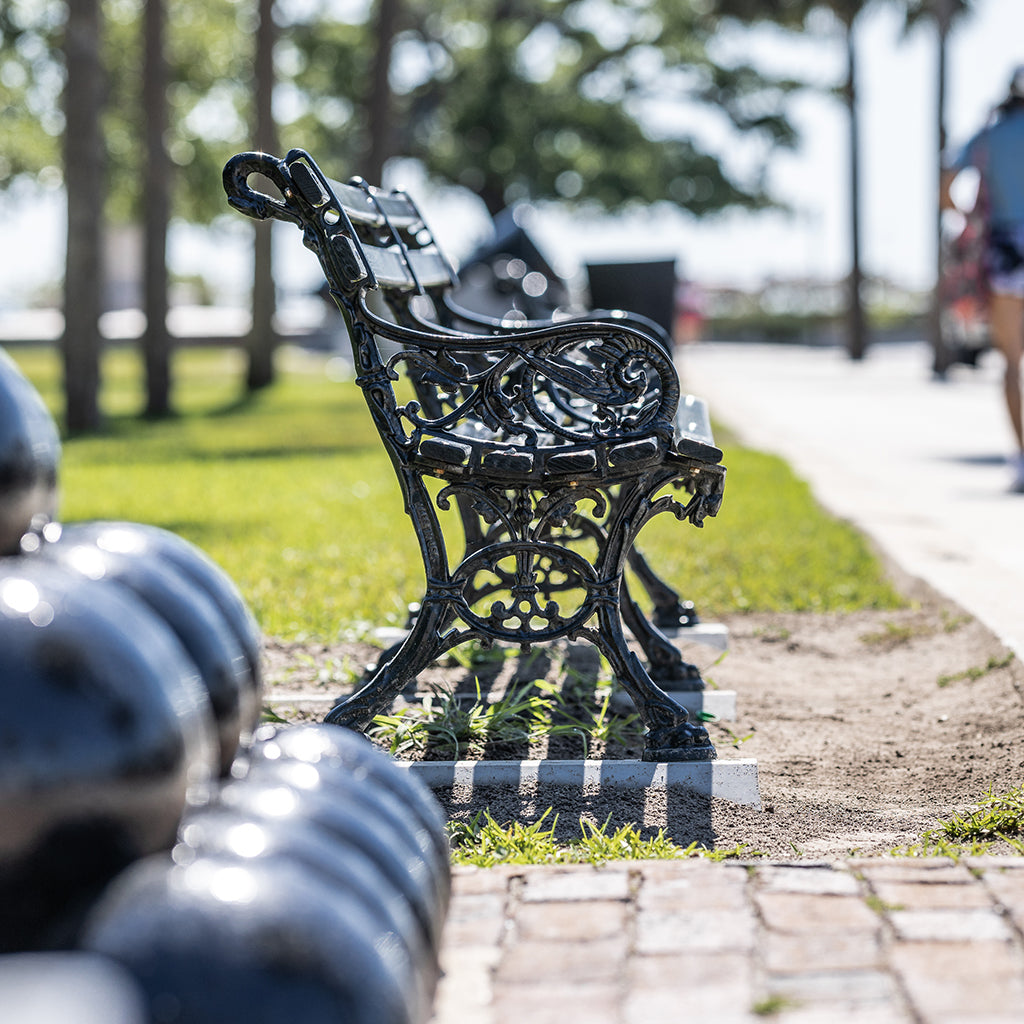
(871, 941)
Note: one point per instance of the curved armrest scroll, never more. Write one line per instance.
(246, 199)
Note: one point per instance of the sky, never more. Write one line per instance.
(898, 144)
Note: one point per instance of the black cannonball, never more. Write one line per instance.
(262, 941)
(105, 737)
(218, 831)
(332, 747)
(185, 606)
(29, 456)
(373, 799)
(346, 824)
(144, 540)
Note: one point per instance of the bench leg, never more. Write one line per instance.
(665, 663)
(399, 665)
(670, 610)
(670, 736)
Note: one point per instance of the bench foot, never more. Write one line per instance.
(680, 741)
(397, 666)
(670, 611)
(675, 616)
(683, 748)
(670, 735)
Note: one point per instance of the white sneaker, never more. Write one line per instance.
(1017, 465)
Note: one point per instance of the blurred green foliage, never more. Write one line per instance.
(578, 100)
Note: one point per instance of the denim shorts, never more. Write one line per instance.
(1004, 259)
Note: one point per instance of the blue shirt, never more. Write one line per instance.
(997, 151)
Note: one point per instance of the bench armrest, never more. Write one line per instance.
(692, 435)
(568, 381)
(496, 324)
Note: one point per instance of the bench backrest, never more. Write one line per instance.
(602, 389)
(394, 249)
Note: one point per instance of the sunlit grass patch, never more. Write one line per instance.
(996, 819)
(484, 842)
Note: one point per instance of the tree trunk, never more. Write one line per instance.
(85, 181)
(941, 356)
(156, 342)
(380, 108)
(263, 337)
(856, 342)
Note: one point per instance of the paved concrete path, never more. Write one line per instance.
(917, 464)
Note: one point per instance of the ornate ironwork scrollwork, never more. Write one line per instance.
(527, 615)
(575, 391)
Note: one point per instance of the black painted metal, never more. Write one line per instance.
(257, 939)
(108, 734)
(312, 887)
(107, 551)
(29, 456)
(562, 440)
(145, 542)
(343, 755)
(435, 282)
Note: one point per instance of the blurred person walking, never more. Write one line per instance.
(996, 152)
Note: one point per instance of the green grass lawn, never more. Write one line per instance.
(290, 491)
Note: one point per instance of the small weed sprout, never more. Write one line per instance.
(951, 623)
(977, 671)
(718, 661)
(892, 635)
(772, 1005)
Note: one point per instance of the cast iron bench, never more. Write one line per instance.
(552, 444)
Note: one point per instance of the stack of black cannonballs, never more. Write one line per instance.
(162, 858)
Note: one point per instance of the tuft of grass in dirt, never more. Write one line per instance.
(773, 1005)
(996, 819)
(443, 725)
(893, 634)
(977, 671)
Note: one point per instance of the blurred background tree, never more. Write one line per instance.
(539, 99)
(943, 14)
(162, 128)
(603, 103)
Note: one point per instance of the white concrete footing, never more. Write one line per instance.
(713, 634)
(733, 780)
(720, 703)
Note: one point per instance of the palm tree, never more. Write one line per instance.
(263, 337)
(856, 333)
(156, 204)
(85, 182)
(847, 12)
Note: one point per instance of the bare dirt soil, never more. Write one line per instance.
(868, 728)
